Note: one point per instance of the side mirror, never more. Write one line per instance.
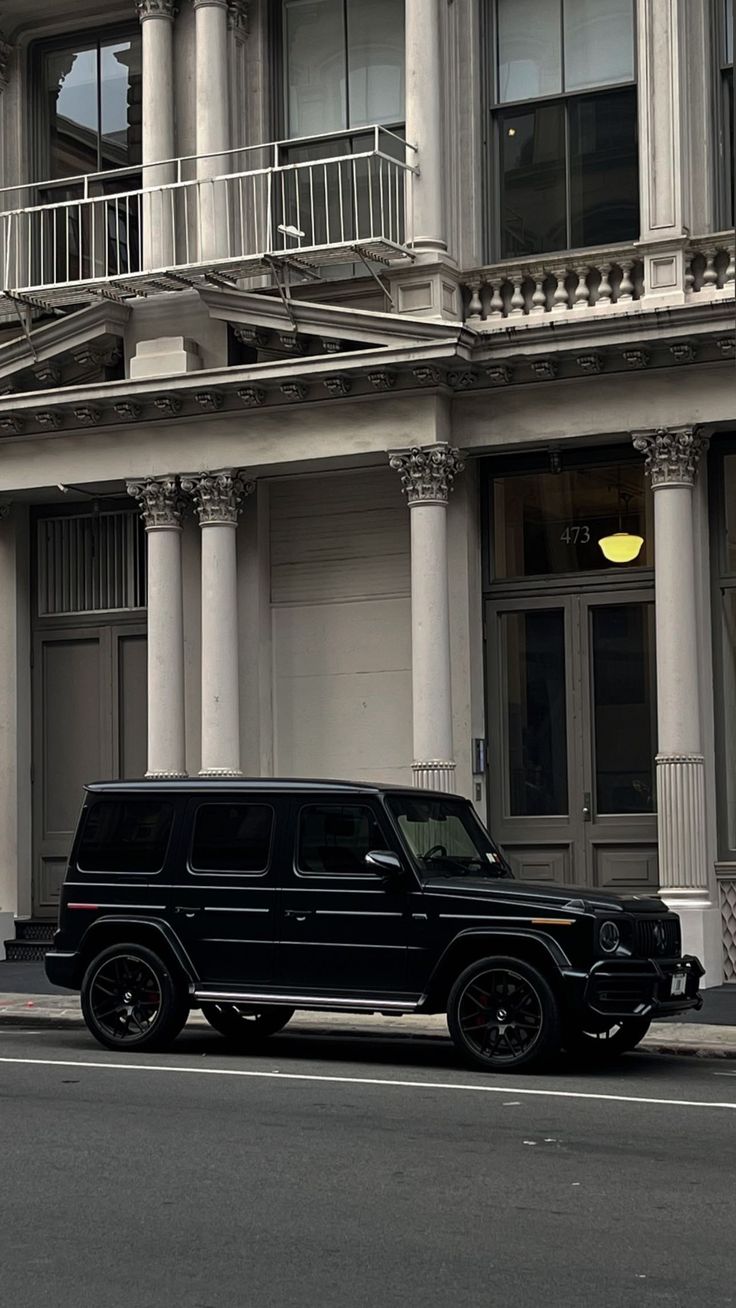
(385, 862)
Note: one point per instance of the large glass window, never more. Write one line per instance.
(726, 113)
(533, 652)
(565, 115)
(91, 104)
(571, 521)
(624, 707)
(344, 64)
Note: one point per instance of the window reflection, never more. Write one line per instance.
(549, 522)
(535, 695)
(624, 707)
(93, 106)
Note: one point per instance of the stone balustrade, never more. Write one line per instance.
(601, 281)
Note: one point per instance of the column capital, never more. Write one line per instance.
(218, 496)
(427, 472)
(6, 53)
(160, 501)
(238, 16)
(157, 9)
(672, 454)
(210, 4)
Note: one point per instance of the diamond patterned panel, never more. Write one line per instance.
(728, 914)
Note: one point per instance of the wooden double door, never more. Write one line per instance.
(89, 723)
(572, 736)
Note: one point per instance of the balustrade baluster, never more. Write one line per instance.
(495, 308)
(710, 273)
(475, 307)
(582, 290)
(560, 295)
(626, 289)
(689, 273)
(516, 308)
(605, 289)
(729, 276)
(539, 297)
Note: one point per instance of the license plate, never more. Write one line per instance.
(679, 982)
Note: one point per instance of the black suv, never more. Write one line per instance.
(250, 899)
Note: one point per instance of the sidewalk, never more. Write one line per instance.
(26, 997)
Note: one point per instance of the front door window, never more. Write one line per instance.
(533, 651)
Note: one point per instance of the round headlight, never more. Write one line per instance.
(609, 937)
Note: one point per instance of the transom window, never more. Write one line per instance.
(565, 120)
(335, 838)
(344, 64)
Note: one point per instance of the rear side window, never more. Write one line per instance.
(334, 839)
(131, 835)
(232, 838)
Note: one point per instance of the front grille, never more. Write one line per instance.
(657, 937)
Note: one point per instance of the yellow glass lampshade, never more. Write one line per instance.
(621, 547)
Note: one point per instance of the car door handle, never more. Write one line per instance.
(183, 911)
(299, 914)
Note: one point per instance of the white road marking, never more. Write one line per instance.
(370, 1080)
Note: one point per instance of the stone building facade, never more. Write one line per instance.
(367, 408)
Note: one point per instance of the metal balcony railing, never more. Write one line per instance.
(305, 204)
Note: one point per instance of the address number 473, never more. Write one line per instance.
(575, 535)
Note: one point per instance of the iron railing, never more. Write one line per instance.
(306, 202)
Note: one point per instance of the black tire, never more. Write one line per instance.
(245, 1024)
(606, 1044)
(131, 999)
(504, 1016)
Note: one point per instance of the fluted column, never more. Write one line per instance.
(672, 458)
(161, 506)
(157, 39)
(218, 498)
(213, 125)
(423, 64)
(427, 474)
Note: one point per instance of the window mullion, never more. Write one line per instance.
(99, 105)
(347, 63)
(568, 181)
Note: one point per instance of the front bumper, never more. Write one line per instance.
(618, 988)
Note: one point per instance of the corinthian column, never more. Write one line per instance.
(427, 474)
(672, 458)
(157, 39)
(161, 506)
(218, 498)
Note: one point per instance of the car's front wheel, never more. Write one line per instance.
(131, 1000)
(245, 1024)
(503, 1015)
(608, 1042)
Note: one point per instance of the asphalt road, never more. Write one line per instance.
(351, 1173)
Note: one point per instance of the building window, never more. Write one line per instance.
(90, 563)
(564, 107)
(723, 477)
(344, 65)
(89, 103)
(726, 112)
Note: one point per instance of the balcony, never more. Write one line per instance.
(287, 207)
(593, 283)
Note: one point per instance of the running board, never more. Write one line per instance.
(307, 1001)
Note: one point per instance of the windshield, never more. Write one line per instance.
(446, 838)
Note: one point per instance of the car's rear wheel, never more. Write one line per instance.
(131, 1000)
(607, 1042)
(246, 1024)
(503, 1015)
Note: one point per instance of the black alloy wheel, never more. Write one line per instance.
(607, 1043)
(503, 1015)
(246, 1024)
(130, 1000)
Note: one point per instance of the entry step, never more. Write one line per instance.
(33, 939)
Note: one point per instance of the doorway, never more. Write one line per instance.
(573, 718)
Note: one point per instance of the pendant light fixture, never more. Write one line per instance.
(621, 546)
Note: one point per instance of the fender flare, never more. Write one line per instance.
(153, 923)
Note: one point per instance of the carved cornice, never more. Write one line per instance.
(217, 496)
(252, 396)
(209, 401)
(6, 52)
(160, 501)
(156, 9)
(499, 374)
(672, 454)
(337, 385)
(382, 380)
(427, 472)
(13, 422)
